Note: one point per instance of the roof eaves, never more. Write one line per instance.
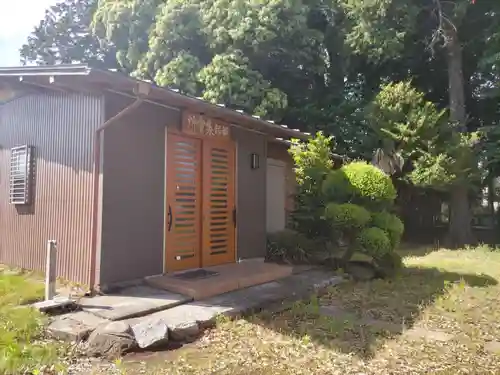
(284, 130)
(45, 70)
(253, 118)
(85, 70)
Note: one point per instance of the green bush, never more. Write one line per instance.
(389, 264)
(307, 216)
(391, 224)
(372, 187)
(374, 242)
(312, 160)
(337, 188)
(344, 208)
(312, 163)
(291, 247)
(347, 216)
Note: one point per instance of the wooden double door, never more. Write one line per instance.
(200, 197)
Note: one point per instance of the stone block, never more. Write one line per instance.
(111, 340)
(74, 326)
(150, 333)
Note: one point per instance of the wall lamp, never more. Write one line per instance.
(254, 161)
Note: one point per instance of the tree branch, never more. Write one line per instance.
(445, 24)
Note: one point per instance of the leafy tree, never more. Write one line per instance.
(378, 32)
(401, 113)
(229, 79)
(440, 157)
(176, 31)
(63, 36)
(487, 78)
(181, 74)
(313, 64)
(292, 56)
(126, 24)
(288, 59)
(232, 46)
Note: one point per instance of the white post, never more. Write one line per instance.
(50, 270)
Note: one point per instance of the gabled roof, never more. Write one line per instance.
(72, 76)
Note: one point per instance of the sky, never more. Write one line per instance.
(17, 19)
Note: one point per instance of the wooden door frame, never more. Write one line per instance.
(178, 132)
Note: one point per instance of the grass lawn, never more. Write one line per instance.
(452, 298)
(22, 347)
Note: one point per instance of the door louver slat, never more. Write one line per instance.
(183, 198)
(218, 202)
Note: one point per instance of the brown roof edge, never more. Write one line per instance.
(182, 101)
(47, 70)
(121, 82)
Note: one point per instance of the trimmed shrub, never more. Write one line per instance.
(347, 216)
(391, 224)
(337, 212)
(337, 188)
(372, 187)
(389, 264)
(374, 242)
(290, 247)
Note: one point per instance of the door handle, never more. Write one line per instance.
(170, 218)
(234, 217)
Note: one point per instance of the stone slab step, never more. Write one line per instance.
(189, 319)
(56, 304)
(132, 302)
(74, 326)
(183, 317)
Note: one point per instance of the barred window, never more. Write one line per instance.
(21, 174)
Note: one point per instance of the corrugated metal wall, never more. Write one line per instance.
(60, 127)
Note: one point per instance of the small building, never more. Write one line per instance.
(130, 179)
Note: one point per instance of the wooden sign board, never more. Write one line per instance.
(196, 124)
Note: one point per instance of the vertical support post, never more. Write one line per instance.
(50, 270)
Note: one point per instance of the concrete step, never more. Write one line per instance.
(229, 277)
(131, 302)
(183, 316)
(276, 295)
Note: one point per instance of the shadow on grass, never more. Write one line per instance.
(357, 317)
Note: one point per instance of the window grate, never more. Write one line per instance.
(21, 174)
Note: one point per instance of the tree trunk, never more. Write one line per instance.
(460, 232)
